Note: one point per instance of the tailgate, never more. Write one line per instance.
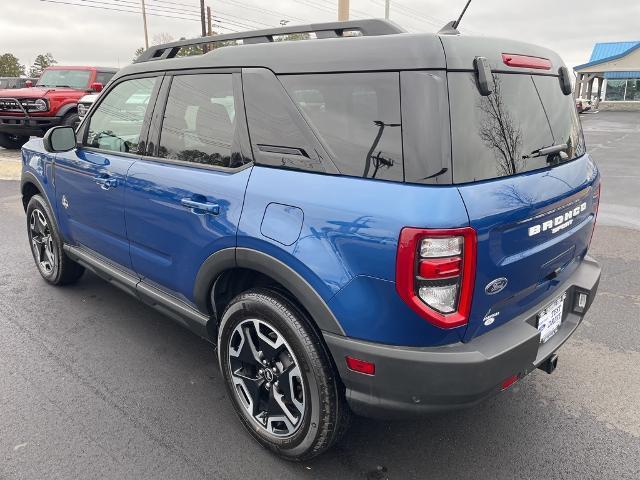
(519, 160)
(532, 231)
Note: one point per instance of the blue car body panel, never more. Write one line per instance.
(501, 211)
(170, 241)
(94, 213)
(339, 247)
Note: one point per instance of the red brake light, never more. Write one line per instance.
(360, 366)
(507, 382)
(525, 61)
(435, 273)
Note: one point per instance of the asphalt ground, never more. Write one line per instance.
(93, 384)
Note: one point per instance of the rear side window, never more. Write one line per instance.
(501, 134)
(104, 77)
(357, 116)
(199, 120)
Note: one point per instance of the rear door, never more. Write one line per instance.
(184, 198)
(90, 179)
(519, 157)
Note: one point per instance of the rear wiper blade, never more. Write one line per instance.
(543, 152)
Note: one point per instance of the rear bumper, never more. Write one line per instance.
(411, 381)
(27, 126)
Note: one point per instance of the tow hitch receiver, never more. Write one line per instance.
(550, 364)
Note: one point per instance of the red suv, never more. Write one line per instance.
(53, 101)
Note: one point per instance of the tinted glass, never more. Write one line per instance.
(562, 115)
(116, 124)
(358, 117)
(65, 78)
(104, 77)
(501, 134)
(199, 120)
(278, 131)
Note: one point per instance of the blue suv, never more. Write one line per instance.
(369, 221)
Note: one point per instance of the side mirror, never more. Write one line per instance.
(96, 87)
(59, 139)
(28, 84)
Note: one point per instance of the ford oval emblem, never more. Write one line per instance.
(496, 286)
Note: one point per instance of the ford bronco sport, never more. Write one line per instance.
(53, 101)
(369, 221)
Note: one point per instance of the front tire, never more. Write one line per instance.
(46, 245)
(280, 377)
(13, 142)
(71, 119)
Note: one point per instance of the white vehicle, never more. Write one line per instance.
(84, 104)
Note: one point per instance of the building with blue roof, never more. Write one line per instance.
(616, 67)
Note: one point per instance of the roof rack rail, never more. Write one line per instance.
(369, 27)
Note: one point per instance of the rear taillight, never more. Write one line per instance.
(435, 272)
(596, 205)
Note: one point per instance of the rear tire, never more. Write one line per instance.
(300, 410)
(13, 142)
(46, 245)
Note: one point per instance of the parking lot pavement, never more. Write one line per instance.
(9, 164)
(94, 384)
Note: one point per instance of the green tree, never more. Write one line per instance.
(10, 66)
(41, 62)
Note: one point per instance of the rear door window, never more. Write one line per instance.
(501, 134)
(357, 115)
(199, 120)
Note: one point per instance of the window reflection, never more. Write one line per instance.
(199, 120)
(358, 117)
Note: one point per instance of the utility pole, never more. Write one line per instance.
(203, 24)
(343, 10)
(144, 22)
(209, 31)
(386, 9)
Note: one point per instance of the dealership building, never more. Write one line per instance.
(612, 74)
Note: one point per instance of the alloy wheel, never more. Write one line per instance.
(266, 377)
(42, 242)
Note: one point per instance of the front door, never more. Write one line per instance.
(90, 180)
(183, 201)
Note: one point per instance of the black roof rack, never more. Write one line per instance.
(370, 27)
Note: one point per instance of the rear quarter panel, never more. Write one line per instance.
(347, 244)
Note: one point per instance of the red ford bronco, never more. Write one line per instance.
(53, 101)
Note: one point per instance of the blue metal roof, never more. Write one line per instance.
(606, 51)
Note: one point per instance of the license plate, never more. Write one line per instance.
(550, 318)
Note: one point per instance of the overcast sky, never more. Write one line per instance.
(80, 35)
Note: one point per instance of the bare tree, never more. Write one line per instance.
(499, 131)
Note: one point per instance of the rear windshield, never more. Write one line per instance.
(502, 134)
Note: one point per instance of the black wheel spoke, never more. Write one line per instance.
(267, 377)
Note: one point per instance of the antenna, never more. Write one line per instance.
(457, 22)
(451, 28)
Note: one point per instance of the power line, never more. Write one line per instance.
(109, 6)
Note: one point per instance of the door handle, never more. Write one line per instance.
(207, 207)
(106, 182)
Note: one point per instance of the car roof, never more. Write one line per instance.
(381, 46)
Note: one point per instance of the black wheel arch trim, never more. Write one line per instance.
(66, 109)
(229, 258)
(28, 177)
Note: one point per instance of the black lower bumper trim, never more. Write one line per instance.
(410, 381)
(31, 126)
